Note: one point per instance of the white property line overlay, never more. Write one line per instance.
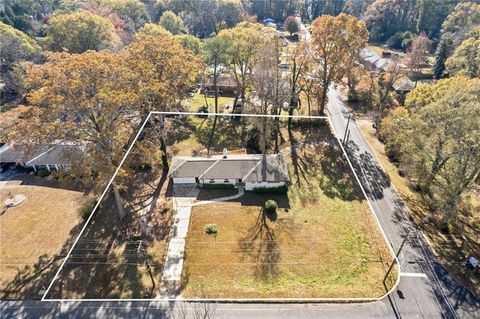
(344, 300)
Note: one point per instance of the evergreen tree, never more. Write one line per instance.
(441, 55)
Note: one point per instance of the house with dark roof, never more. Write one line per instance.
(248, 170)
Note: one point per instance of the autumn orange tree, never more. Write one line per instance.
(164, 70)
(97, 100)
(86, 99)
(335, 43)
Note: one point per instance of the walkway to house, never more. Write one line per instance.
(183, 200)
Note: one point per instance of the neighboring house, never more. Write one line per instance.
(226, 85)
(249, 170)
(403, 85)
(47, 157)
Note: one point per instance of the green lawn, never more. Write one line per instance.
(198, 100)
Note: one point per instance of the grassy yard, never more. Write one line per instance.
(34, 234)
(451, 250)
(107, 261)
(198, 100)
(323, 241)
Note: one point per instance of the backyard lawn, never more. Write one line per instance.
(34, 234)
(198, 100)
(322, 242)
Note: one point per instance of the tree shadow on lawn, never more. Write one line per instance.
(227, 134)
(259, 199)
(94, 270)
(336, 178)
(29, 280)
(260, 244)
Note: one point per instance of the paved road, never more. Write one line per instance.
(434, 295)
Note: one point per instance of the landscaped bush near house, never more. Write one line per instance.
(271, 206)
(87, 208)
(210, 229)
(43, 173)
(282, 190)
(218, 186)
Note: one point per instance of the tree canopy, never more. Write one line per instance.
(465, 60)
(80, 31)
(292, 25)
(15, 46)
(171, 22)
(437, 140)
(335, 41)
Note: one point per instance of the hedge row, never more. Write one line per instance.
(218, 186)
(282, 190)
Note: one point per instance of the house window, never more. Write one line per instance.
(225, 180)
(212, 181)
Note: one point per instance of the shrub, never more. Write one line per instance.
(87, 208)
(282, 190)
(271, 206)
(43, 173)
(218, 186)
(203, 109)
(210, 229)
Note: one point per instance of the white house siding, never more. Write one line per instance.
(184, 180)
(219, 181)
(249, 186)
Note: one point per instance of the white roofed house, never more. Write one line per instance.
(249, 171)
(50, 157)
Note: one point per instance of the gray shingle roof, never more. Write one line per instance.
(250, 168)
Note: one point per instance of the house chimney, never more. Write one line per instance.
(224, 152)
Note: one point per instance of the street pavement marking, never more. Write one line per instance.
(413, 274)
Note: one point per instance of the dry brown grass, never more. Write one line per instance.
(106, 261)
(33, 233)
(323, 242)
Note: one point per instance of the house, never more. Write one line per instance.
(57, 156)
(226, 85)
(248, 170)
(403, 85)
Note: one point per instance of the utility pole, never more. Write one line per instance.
(346, 128)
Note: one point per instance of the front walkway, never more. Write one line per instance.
(183, 201)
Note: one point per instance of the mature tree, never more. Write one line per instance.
(15, 46)
(334, 41)
(133, 12)
(264, 97)
(417, 54)
(80, 31)
(229, 12)
(465, 61)
(292, 25)
(357, 8)
(439, 141)
(386, 17)
(165, 71)
(455, 29)
(444, 49)
(152, 29)
(190, 42)
(243, 42)
(86, 99)
(216, 56)
(171, 22)
(431, 14)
